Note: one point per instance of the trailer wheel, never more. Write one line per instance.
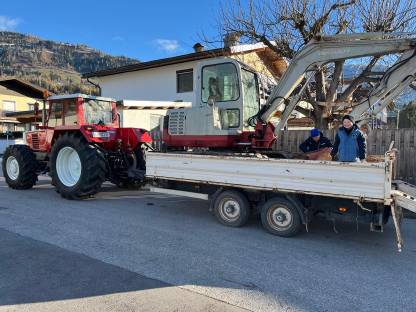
(232, 208)
(20, 167)
(78, 169)
(280, 217)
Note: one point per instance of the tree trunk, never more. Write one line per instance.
(321, 122)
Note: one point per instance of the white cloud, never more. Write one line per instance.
(7, 23)
(167, 45)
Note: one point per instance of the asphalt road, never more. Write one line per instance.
(138, 251)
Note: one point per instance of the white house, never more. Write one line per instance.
(172, 79)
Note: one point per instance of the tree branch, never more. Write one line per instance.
(304, 111)
(331, 95)
(357, 81)
(318, 25)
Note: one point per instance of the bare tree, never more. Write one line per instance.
(285, 26)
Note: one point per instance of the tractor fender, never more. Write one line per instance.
(133, 136)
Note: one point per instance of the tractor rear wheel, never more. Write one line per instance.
(78, 169)
(20, 167)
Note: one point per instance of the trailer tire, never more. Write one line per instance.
(20, 167)
(231, 208)
(78, 169)
(280, 217)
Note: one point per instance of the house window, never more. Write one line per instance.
(9, 106)
(31, 106)
(184, 81)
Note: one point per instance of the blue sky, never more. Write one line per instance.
(144, 30)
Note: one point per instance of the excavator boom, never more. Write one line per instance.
(343, 47)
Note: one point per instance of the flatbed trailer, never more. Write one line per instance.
(287, 193)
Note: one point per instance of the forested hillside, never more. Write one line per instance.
(55, 66)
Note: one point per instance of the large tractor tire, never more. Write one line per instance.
(20, 167)
(78, 169)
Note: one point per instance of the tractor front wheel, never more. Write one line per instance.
(20, 167)
(78, 169)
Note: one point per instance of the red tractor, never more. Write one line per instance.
(81, 145)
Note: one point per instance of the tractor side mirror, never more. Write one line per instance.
(117, 115)
(36, 108)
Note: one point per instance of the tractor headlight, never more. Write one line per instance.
(101, 134)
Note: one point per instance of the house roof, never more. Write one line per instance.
(195, 56)
(19, 87)
(158, 63)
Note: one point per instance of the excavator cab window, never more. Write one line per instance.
(250, 92)
(221, 81)
(230, 118)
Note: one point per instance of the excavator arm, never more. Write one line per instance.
(401, 75)
(342, 47)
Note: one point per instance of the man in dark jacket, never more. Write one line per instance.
(315, 142)
(349, 142)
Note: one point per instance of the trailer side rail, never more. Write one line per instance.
(359, 181)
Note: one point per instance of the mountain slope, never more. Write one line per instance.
(55, 66)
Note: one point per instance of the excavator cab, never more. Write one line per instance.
(227, 96)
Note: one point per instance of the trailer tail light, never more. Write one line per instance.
(342, 209)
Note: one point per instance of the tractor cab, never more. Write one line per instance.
(77, 110)
(94, 117)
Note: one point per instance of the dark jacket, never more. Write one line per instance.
(349, 145)
(311, 146)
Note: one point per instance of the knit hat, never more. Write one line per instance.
(349, 117)
(315, 132)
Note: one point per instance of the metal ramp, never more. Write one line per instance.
(405, 195)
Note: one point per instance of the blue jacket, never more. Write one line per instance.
(350, 145)
(310, 145)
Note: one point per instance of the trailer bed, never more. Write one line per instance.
(363, 181)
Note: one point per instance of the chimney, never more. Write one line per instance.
(198, 47)
(231, 39)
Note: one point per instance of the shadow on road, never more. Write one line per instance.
(38, 272)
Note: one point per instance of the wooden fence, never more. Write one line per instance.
(378, 142)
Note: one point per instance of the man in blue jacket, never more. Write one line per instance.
(349, 142)
(315, 142)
